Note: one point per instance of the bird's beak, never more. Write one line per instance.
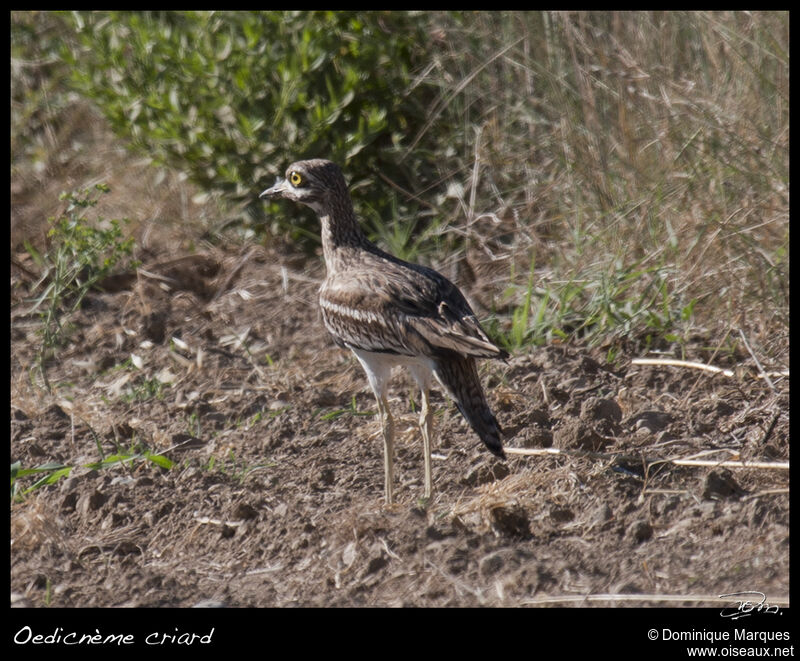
(277, 190)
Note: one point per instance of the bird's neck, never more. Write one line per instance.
(342, 238)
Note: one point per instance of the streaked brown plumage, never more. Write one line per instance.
(391, 312)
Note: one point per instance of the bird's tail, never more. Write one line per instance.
(459, 377)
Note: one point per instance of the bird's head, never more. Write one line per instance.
(316, 183)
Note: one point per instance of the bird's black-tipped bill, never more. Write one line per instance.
(277, 190)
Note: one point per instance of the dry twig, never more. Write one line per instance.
(686, 461)
(702, 366)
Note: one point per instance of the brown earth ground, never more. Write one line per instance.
(275, 493)
(275, 496)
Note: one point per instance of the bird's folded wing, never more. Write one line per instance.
(429, 318)
(463, 336)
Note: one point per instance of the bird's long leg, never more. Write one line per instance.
(387, 424)
(426, 427)
(422, 375)
(378, 373)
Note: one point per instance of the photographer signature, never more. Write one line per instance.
(747, 607)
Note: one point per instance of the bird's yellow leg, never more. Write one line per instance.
(426, 427)
(387, 423)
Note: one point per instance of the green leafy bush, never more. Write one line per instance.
(38, 93)
(233, 97)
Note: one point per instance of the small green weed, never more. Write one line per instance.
(613, 301)
(238, 469)
(352, 410)
(193, 426)
(145, 390)
(410, 236)
(52, 472)
(79, 256)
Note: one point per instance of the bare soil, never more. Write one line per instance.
(275, 493)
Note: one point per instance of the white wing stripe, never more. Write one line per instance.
(363, 316)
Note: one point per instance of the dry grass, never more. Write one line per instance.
(628, 152)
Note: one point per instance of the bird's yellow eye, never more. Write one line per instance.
(295, 178)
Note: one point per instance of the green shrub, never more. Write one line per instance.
(38, 93)
(233, 97)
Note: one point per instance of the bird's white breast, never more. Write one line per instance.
(378, 366)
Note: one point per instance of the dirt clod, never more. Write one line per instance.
(720, 484)
(639, 531)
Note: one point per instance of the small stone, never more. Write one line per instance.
(639, 531)
(652, 421)
(281, 509)
(90, 502)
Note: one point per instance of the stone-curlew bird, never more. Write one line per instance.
(390, 312)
